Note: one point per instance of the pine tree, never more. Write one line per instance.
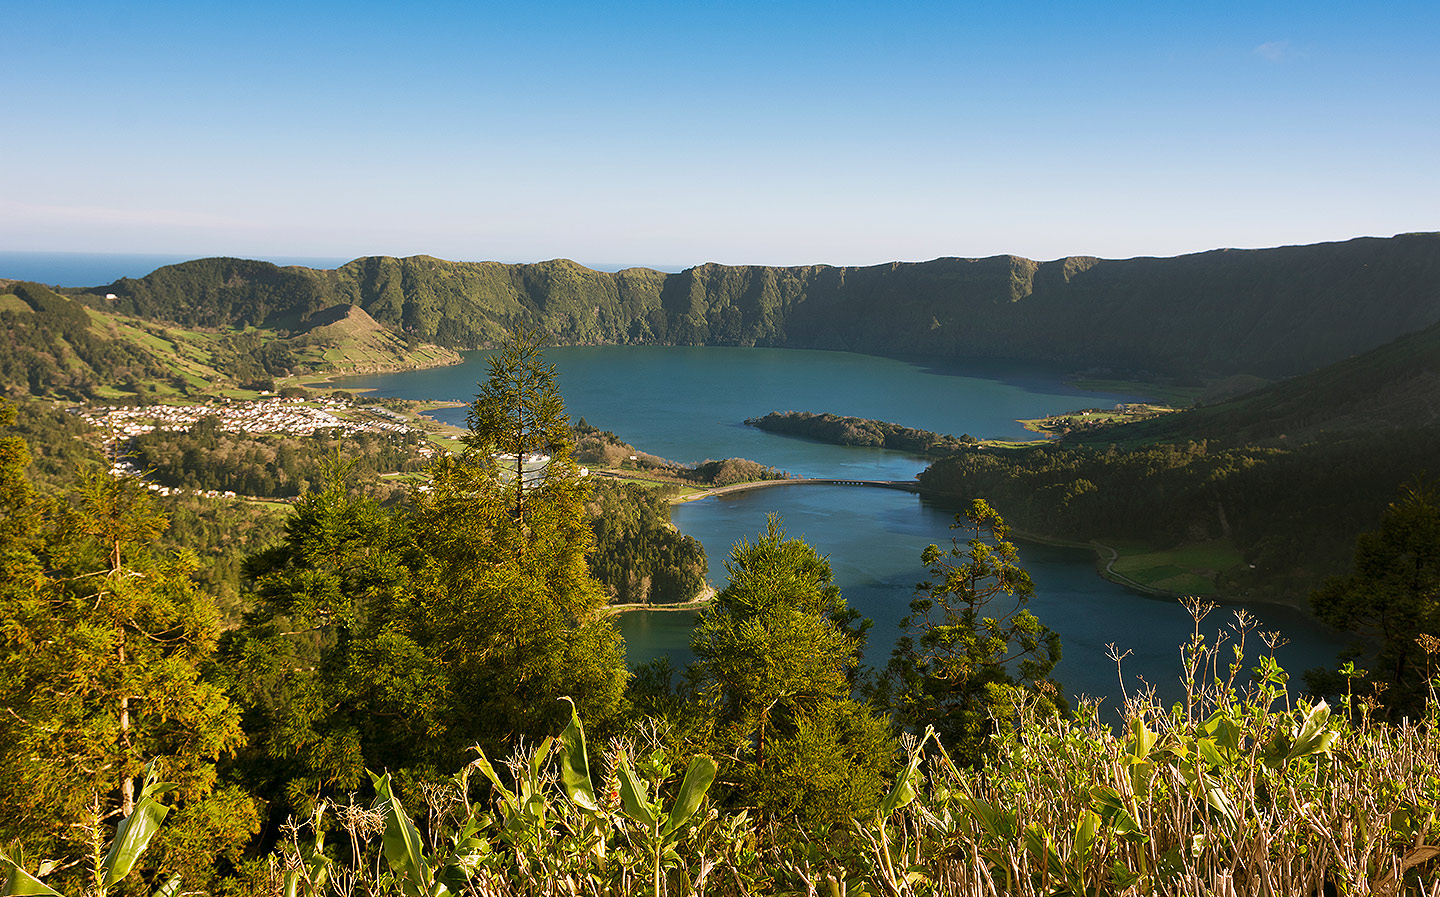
(777, 656)
(104, 648)
(329, 664)
(512, 609)
(972, 650)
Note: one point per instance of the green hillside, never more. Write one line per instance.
(1269, 312)
(1279, 481)
(1396, 386)
(52, 345)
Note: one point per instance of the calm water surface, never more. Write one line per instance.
(874, 537)
(689, 404)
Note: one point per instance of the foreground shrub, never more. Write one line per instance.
(1239, 789)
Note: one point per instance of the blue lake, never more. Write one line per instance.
(689, 404)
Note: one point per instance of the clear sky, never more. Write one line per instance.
(740, 132)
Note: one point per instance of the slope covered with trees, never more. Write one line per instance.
(1289, 474)
(1272, 312)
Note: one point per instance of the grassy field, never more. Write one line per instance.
(1187, 570)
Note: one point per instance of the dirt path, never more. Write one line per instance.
(1110, 574)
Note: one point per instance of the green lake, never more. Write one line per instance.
(689, 404)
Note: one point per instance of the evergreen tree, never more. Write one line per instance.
(972, 650)
(328, 664)
(777, 656)
(1393, 596)
(511, 608)
(104, 649)
(518, 414)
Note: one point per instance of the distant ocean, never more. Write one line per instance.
(96, 269)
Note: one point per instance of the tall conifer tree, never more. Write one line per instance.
(104, 645)
(512, 607)
(777, 656)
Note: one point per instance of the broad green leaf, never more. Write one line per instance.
(904, 791)
(401, 842)
(1085, 828)
(633, 797)
(1315, 735)
(22, 884)
(171, 888)
(698, 777)
(575, 763)
(131, 838)
(996, 822)
(1207, 750)
(506, 795)
(1142, 739)
(1111, 806)
(541, 753)
(1221, 804)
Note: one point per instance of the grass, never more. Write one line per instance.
(1186, 570)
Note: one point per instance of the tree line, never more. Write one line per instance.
(1294, 511)
(639, 556)
(839, 430)
(279, 466)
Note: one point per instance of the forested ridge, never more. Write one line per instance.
(1289, 474)
(1272, 312)
(52, 345)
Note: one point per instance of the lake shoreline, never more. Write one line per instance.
(703, 600)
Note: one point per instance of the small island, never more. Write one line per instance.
(839, 430)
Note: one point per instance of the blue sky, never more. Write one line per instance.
(738, 132)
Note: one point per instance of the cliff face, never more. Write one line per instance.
(1271, 312)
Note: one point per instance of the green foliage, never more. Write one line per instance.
(639, 556)
(132, 836)
(332, 666)
(104, 645)
(61, 444)
(553, 837)
(1294, 511)
(205, 457)
(731, 471)
(518, 413)
(777, 656)
(511, 607)
(1251, 790)
(840, 430)
(1393, 598)
(55, 351)
(973, 652)
(221, 534)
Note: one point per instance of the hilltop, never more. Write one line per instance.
(1265, 312)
